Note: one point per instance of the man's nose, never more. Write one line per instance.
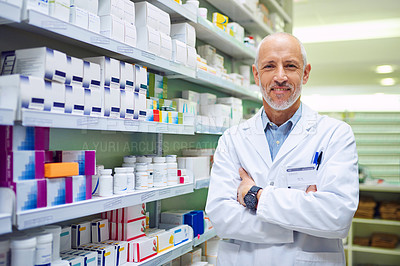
(280, 75)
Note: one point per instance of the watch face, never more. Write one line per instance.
(250, 200)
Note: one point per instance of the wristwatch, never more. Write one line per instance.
(250, 199)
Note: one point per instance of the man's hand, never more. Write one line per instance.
(312, 188)
(245, 185)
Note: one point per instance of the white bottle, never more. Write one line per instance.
(159, 172)
(4, 252)
(141, 176)
(150, 168)
(55, 230)
(172, 170)
(130, 177)
(129, 161)
(106, 183)
(120, 180)
(23, 251)
(44, 242)
(96, 180)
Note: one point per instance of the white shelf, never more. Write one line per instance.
(202, 183)
(204, 237)
(215, 82)
(7, 117)
(212, 130)
(5, 223)
(49, 215)
(176, 11)
(274, 6)
(380, 188)
(165, 256)
(385, 251)
(376, 221)
(70, 33)
(58, 120)
(211, 34)
(9, 13)
(242, 15)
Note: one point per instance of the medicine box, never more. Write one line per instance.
(173, 217)
(130, 34)
(41, 6)
(179, 52)
(182, 233)
(146, 14)
(149, 40)
(81, 233)
(20, 138)
(195, 219)
(73, 260)
(54, 97)
(112, 27)
(164, 22)
(109, 70)
(91, 74)
(89, 5)
(156, 85)
(105, 253)
(18, 92)
(127, 73)
(131, 230)
(22, 165)
(56, 193)
(94, 101)
(111, 7)
(184, 32)
(140, 78)
(132, 213)
(85, 158)
(142, 249)
(89, 257)
(94, 23)
(207, 99)
(127, 104)
(29, 194)
(165, 46)
(129, 12)
(191, 96)
(74, 99)
(65, 238)
(75, 71)
(121, 250)
(165, 240)
(218, 18)
(100, 230)
(191, 257)
(53, 170)
(112, 102)
(191, 60)
(60, 9)
(75, 187)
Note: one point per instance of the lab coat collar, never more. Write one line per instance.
(254, 132)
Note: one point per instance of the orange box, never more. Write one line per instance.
(60, 169)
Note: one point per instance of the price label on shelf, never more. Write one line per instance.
(165, 192)
(148, 55)
(99, 40)
(113, 204)
(54, 25)
(148, 196)
(125, 50)
(38, 221)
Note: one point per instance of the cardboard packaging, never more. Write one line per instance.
(54, 97)
(65, 239)
(56, 192)
(81, 233)
(109, 70)
(130, 34)
(29, 194)
(132, 213)
(85, 158)
(79, 17)
(149, 39)
(179, 52)
(131, 230)
(121, 250)
(75, 188)
(165, 46)
(41, 6)
(88, 5)
(184, 32)
(111, 7)
(75, 71)
(94, 23)
(74, 99)
(146, 14)
(142, 249)
(112, 27)
(100, 230)
(59, 9)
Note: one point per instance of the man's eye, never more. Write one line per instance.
(291, 66)
(268, 66)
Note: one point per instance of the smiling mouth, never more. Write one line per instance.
(280, 89)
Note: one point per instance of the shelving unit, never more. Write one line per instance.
(6, 117)
(274, 6)
(5, 223)
(9, 13)
(176, 11)
(202, 183)
(204, 237)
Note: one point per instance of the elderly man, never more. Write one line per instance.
(284, 184)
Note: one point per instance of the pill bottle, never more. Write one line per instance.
(141, 176)
(129, 161)
(44, 243)
(159, 172)
(55, 230)
(23, 251)
(120, 180)
(150, 168)
(130, 178)
(106, 183)
(172, 170)
(96, 180)
(4, 252)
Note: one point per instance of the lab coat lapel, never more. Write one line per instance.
(304, 127)
(254, 132)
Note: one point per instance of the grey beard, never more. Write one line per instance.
(283, 106)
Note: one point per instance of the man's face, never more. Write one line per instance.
(280, 72)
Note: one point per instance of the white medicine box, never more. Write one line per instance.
(112, 102)
(129, 12)
(131, 213)
(184, 32)
(81, 234)
(74, 71)
(142, 248)
(79, 17)
(149, 39)
(179, 52)
(121, 250)
(165, 46)
(130, 34)
(94, 101)
(94, 22)
(164, 22)
(146, 14)
(127, 80)
(111, 7)
(89, 5)
(127, 103)
(41, 6)
(91, 74)
(100, 230)
(59, 9)
(74, 99)
(109, 70)
(112, 27)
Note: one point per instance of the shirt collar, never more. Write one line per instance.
(292, 121)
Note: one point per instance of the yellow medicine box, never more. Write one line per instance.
(218, 18)
(60, 169)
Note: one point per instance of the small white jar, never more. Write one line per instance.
(159, 172)
(44, 242)
(130, 177)
(23, 251)
(106, 183)
(55, 230)
(129, 161)
(150, 168)
(96, 180)
(141, 176)
(172, 170)
(120, 180)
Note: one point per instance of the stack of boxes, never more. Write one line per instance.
(183, 44)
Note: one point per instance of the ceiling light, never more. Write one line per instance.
(388, 82)
(384, 69)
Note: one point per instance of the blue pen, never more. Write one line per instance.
(315, 160)
(319, 159)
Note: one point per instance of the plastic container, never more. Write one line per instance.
(150, 169)
(172, 170)
(4, 252)
(120, 180)
(96, 180)
(129, 161)
(23, 251)
(159, 172)
(55, 230)
(44, 243)
(141, 176)
(106, 183)
(130, 178)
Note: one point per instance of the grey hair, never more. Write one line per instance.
(303, 50)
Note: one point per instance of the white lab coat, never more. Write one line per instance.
(290, 227)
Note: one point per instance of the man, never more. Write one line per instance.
(284, 184)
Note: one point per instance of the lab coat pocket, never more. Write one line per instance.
(319, 258)
(227, 253)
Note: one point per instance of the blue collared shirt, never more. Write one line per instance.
(277, 135)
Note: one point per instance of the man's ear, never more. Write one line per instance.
(256, 75)
(306, 73)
